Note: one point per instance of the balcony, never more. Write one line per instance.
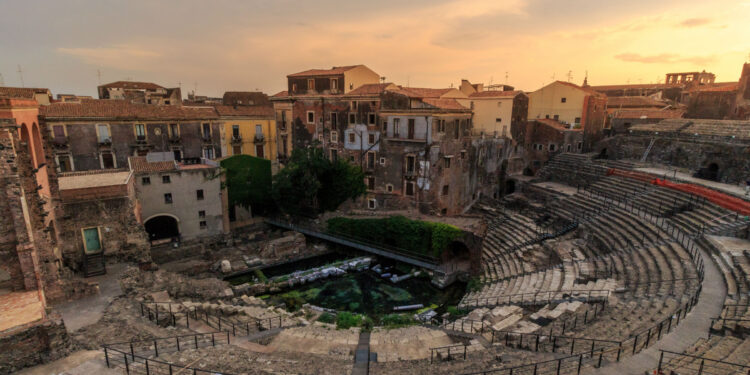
(105, 142)
(60, 142)
(174, 139)
(236, 139)
(259, 138)
(207, 138)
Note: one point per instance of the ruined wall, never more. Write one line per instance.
(693, 154)
(711, 105)
(11, 277)
(594, 119)
(29, 346)
(123, 238)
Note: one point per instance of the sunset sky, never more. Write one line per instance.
(246, 45)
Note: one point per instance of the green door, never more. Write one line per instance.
(91, 239)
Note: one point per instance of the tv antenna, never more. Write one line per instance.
(2, 81)
(506, 77)
(20, 74)
(570, 75)
(99, 75)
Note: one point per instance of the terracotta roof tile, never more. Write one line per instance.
(450, 104)
(717, 87)
(371, 89)
(281, 94)
(554, 123)
(420, 92)
(133, 85)
(324, 72)
(139, 164)
(634, 101)
(244, 110)
(21, 92)
(123, 109)
(245, 98)
(649, 113)
(586, 89)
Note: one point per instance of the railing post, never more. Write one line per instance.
(619, 350)
(132, 352)
(196, 341)
(661, 359)
(213, 340)
(156, 349)
(580, 361)
(177, 338)
(148, 372)
(127, 367)
(601, 354)
(635, 343)
(227, 337)
(558, 366)
(106, 356)
(700, 369)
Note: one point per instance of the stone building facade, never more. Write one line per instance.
(102, 134)
(141, 92)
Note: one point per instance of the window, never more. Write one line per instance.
(334, 155)
(206, 130)
(410, 163)
(370, 183)
(463, 154)
(235, 132)
(145, 180)
(334, 136)
(168, 198)
(447, 162)
(165, 179)
(334, 84)
(208, 152)
(91, 239)
(199, 194)
(396, 125)
(471, 105)
(354, 105)
(174, 130)
(556, 117)
(177, 154)
(577, 120)
(351, 137)
(236, 149)
(371, 119)
(445, 189)
(140, 132)
(203, 224)
(259, 151)
(382, 161)
(498, 120)
(441, 126)
(567, 148)
(58, 132)
(64, 163)
(409, 190)
(310, 117)
(103, 132)
(167, 102)
(389, 188)
(563, 100)
(371, 139)
(334, 119)
(259, 131)
(370, 160)
(352, 118)
(457, 128)
(385, 125)
(372, 204)
(311, 84)
(580, 145)
(552, 147)
(201, 214)
(499, 104)
(107, 160)
(294, 87)
(410, 128)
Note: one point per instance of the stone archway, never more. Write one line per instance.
(457, 256)
(162, 226)
(510, 186)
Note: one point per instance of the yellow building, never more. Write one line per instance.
(248, 130)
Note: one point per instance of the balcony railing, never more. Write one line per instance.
(105, 141)
(259, 138)
(174, 139)
(237, 139)
(60, 141)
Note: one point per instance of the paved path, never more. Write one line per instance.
(362, 355)
(82, 312)
(689, 330)
(84, 362)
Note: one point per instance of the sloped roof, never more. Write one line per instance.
(450, 104)
(132, 85)
(281, 94)
(634, 101)
(649, 113)
(245, 98)
(124, 109)
(555, 124)
(370, 89)
(244, 110)
(495, 94)
(140, 164)
(716, 87)
(421, 92)
(21, 92)
(585, 89)
(324, 72)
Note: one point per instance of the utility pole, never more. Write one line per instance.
(570, 75)
(20, 74)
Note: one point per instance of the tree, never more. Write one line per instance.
(248, 181)
(310, 183)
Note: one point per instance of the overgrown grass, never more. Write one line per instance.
(391, 321)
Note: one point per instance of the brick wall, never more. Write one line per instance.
(29, 346)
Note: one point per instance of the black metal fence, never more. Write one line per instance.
(138, 357)
(686, 364)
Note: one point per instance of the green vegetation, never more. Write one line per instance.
(422, 237)
(346, 320)
(326, 318)
(311, 183)
(455, 312)
(261, 276)
(397, 320)
(474, 284)
(248, 182)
